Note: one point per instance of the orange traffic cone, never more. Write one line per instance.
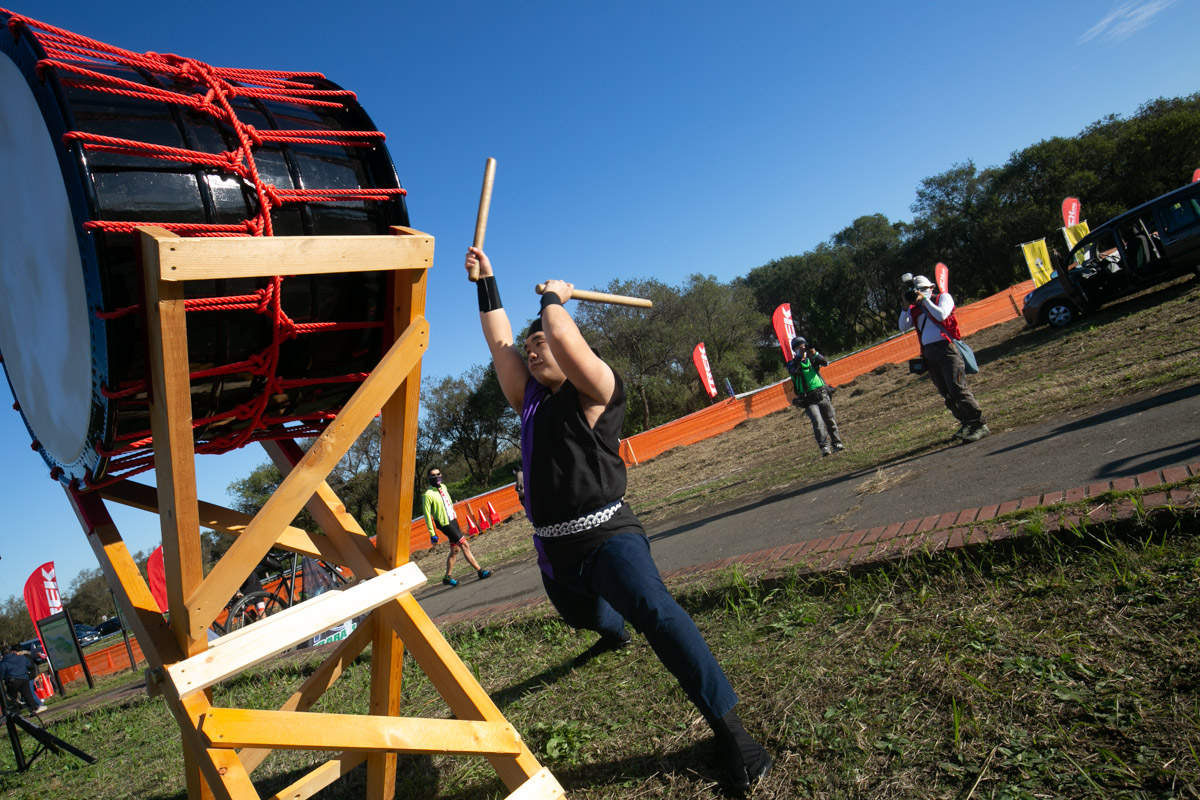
(492, 515)
(471, 529)
(42, 687)
(483, 522)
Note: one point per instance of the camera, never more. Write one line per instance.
(911, 294)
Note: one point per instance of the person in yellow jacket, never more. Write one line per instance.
(439, 510)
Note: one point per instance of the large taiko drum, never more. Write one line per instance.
(95, 140)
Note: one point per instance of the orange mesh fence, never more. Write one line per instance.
(728, 414)
(104, 662)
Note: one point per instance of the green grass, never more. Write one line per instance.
(1055, 666)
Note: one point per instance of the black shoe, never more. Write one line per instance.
(606, 644)
(746, 761)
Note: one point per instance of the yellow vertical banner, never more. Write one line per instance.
(1074, 233)
(1037, 256)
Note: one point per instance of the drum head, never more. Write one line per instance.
(92, 146)
(44, 332)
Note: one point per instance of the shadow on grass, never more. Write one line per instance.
(547, 677)
(695, 765)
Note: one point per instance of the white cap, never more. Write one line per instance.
(921, 282)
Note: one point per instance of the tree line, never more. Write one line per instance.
(844, 294)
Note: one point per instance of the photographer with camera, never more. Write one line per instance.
(931, 313)
(17, 672)
(814, 395)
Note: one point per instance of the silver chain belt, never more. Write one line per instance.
(580, 524)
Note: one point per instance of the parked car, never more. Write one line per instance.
(109, 627)
(86, 634)
(1154, 242)
(34, 647)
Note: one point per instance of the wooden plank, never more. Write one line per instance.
(262, 256)
(126, 581)
(398, 437)
(238, 727)
(542, 786)
(342, 530)
(224, 520)
(220, 768)
(255, 643)
(315, 685)
(174, 446)
(455, 682)
(296, 489)
(321, 777)
(398, 446)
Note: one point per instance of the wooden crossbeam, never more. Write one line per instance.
(257, 642)
(223, 520)
(316, 780)
(295, 490)
(289, 730)
(315, 685)
(262, 256)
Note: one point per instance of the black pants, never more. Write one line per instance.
(23, 687)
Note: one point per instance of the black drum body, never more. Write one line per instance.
(272, 154)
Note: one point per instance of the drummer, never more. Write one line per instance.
(593, 552)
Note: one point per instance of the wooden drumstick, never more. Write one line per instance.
(485, 204)
(602, 297)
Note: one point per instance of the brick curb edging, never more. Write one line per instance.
(929, 535)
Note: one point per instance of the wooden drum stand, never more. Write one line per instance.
(222, 746)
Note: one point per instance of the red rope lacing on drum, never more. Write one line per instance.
(79, 61)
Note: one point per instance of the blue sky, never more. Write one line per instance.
(651, 139)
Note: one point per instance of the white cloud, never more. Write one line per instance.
(1126, 20)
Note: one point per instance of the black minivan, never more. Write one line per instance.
(1154, 242)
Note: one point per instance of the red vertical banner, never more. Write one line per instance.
(1196, 176)
(785, 330)
(1070, 211)
(941, 277)
(158, 578)
(700, 359)
(41, 595)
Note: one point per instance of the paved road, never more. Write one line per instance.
(1126, 439)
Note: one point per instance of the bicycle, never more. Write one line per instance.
(253, 606)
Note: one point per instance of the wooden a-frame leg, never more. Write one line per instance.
(174, 464)
(212, 773)
(397, 456)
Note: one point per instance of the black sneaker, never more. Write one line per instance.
(485, 573)
(746, 761)
(606, 644)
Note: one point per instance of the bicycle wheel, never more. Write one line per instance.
(246, 611)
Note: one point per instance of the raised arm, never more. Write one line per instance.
(497, 330)
(585, 370)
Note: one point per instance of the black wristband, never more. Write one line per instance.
(550, 299)
(489, 294)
